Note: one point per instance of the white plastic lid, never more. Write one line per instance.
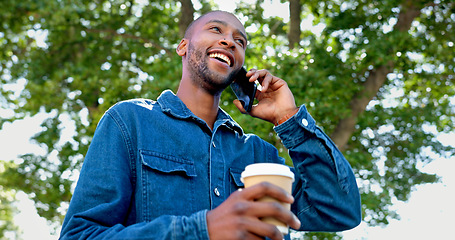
(267, 169)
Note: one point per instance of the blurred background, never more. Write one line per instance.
(378, 77)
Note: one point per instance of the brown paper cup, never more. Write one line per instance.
(277, 174)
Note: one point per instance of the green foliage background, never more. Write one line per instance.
(96, 53)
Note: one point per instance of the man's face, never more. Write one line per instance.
(216, 51)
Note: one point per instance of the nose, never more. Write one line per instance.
(227, 42)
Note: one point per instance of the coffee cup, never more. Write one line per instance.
(277, 174)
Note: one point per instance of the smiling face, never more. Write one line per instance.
(214, 50)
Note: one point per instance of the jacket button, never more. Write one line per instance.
(217, 193)
(305, 122)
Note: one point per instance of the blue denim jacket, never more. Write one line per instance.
(154, 169)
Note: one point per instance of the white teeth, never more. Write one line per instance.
(221, 56)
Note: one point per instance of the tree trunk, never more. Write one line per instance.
(376, 79)
(346, 126)
(186, 15)
(295, 8)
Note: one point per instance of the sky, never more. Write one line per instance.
(427, 215)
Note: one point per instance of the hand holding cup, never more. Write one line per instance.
(243, 215)
(276, 174)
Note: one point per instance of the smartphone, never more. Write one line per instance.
(243, 89)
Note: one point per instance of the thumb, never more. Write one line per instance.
(239, 105)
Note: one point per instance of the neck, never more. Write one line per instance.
(199, 101)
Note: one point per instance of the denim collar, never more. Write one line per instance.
(172, 105)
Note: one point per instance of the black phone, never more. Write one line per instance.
(243, 89)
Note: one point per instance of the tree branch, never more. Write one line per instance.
(295, 8)
(128, 36)
(186, 16)
(375, 80)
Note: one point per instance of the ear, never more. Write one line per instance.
(182, 47)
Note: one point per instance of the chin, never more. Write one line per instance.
(215, 87)
(216, 82)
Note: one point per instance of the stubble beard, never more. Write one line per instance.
(201, 75)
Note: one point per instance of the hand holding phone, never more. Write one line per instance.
(244, 90)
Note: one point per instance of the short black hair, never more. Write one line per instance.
(189, 29)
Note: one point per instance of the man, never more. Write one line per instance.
(170, 169)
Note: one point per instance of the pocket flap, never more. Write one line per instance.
(236, 174)
(167, 164)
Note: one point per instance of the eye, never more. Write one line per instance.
(216, 29)
(240, 42)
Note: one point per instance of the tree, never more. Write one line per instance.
(7, 209)
(376, 77)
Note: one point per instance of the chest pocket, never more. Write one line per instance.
(168, 185)
(235, 182)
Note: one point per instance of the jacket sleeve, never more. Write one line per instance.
(325, 190)
(103, 207)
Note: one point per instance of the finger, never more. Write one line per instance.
(279, 212)
(259, 228)
(266, 82)
(262, 73)
(267, 189)
(264, 77)
(251, 72)
(249, 213)
(248, 235)
(239, 105)
(259, 75)
(254, 76)
(272, 209)
(254, 228)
